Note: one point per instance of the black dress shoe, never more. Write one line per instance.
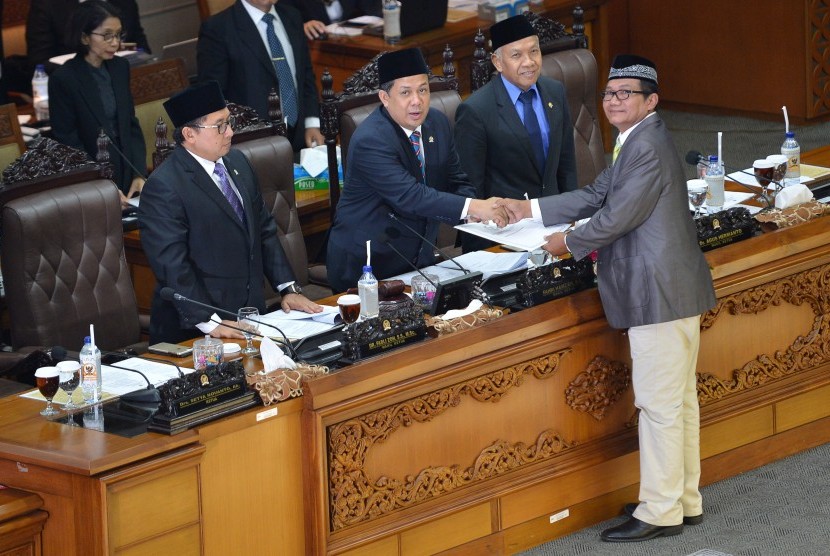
(635, 530)
(628, 509)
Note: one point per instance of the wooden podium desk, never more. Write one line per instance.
(342, 56)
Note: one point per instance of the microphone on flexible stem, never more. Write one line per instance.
(393, 217)
(393, 233)
(121, 154)
(285, 341)
(169, 294)
(695, 157)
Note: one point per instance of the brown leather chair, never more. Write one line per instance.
(64, 268)
(566, 58)
(272, 159)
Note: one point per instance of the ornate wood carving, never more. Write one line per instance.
(46, 158)
(818, 21)
(598, 387)
(811, 287)
(354, 498)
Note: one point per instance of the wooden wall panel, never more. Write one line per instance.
(801, 409)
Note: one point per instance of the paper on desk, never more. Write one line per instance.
(338, 29)
(750, 180)
(525, 235)
(298, 324)
(488, 263)
(133, 201)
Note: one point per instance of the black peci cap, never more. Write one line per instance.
(401, 63)
(510, 30)
(194, 102)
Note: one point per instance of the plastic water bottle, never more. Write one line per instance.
(714, 180)
(367, 289)
(391, 21)
(792, 150)
(90, 357)
(40, 93)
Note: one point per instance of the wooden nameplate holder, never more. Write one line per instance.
(725, 227)
(396, 326)
(554, 280)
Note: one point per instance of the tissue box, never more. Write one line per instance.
(304, 182)
(499, 10)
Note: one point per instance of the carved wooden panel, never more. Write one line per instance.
(598, 387)
(818, 78)
(355, 498)
(811, 288)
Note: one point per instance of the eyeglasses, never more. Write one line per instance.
(111, 37)
(220, 127)
(622, 94)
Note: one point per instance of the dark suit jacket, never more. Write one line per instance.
(382, 176)
(76, 115)
(48, 20)
(231, 52)
(315, 9)
(649, 267)
(495, 150)
(197, 246)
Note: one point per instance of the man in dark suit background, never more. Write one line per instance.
(205, 228)
(653, 281)
(503, 155)
(254, 46)
(401, 160)
(319, 13)
(46, 28)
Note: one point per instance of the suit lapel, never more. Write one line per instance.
(247, 200)
(552, 110)
(89, 90)
(249, 36)
(206, 184)
(510, 119)
(413, 165)
(430, 146)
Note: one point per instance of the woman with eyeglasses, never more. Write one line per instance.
(92, 91)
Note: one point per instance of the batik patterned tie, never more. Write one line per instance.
(288, 93)
(228, 192)
(415, 140)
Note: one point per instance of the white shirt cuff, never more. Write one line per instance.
(535, 211)
(210, 326)
(466, 208)
(312, 122)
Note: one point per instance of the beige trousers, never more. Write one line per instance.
(664, 359)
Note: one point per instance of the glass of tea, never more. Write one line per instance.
(70, 377)
(764, 170)
(47, 380)
(349, 306)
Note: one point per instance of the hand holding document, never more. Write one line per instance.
(525, 235)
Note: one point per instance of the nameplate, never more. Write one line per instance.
(725, 227)
(392, 329)
(208, 398)
(555, 280)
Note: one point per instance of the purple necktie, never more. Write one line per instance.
(228, 192)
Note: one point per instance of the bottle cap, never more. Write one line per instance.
(40, 67)
(790, 134)
(87, 340)
(713, 158)
(367, 268)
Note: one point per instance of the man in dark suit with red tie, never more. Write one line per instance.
(204, 227)
(254, 46)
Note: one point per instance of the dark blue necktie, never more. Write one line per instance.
(288, 93)
(532, 126)
(228, 192)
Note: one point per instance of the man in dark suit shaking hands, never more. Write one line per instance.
(653, 281)
(514, 135)
(204, 227)
(254, 46)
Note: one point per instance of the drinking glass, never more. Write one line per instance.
(70, 378)
(47, 380)
(697, 194)
(349, 306)
(424, 289)
(780, 171)
(764, 171)
(246, 317)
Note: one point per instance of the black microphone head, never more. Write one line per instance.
(58, 353)
(392, 232)
(693, 157)
(167, 293)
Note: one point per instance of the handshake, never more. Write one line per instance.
(498, 210)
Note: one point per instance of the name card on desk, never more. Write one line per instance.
(393, 328)
(725, 227)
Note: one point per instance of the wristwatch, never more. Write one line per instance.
(291, 288)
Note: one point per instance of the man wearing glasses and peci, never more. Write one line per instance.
(204, 227)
